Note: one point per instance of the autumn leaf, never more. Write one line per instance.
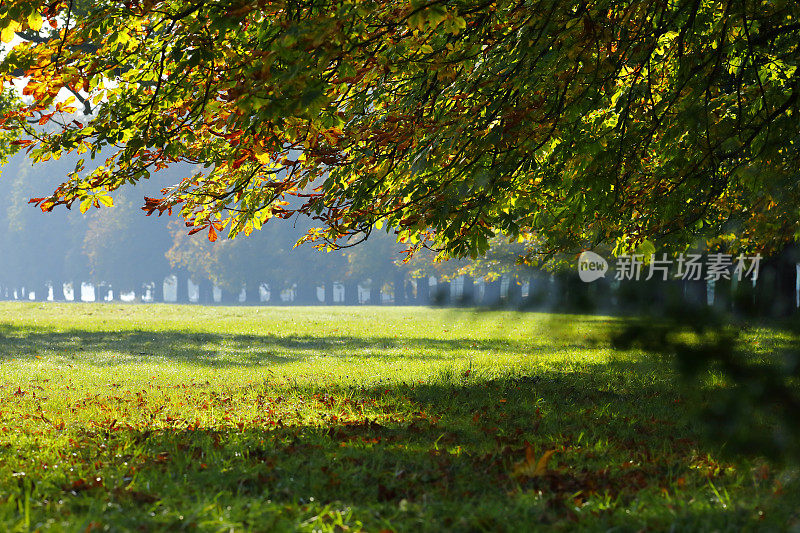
(35, 21)
(531, 466)
(7, 34)
(86, 203)
(437, 125)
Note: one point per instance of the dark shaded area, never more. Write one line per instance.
(754, 410)
(220, 350)
(448, 456)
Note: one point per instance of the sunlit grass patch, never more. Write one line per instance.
(334, 418)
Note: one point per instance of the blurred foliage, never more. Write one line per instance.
(756, 397)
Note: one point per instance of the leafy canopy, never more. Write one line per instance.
(560, 124)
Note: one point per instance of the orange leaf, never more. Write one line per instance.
(532, 467)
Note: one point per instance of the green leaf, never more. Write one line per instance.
(647, 249)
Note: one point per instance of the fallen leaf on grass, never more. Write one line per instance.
(531, 466)
(80, 485)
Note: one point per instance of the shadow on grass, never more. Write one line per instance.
(432, 456)
(237, 350)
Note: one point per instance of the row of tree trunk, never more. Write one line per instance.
(774, 295)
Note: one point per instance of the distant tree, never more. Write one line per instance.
(379, 262)
(123, 251)
(35, 246)
(269, 256)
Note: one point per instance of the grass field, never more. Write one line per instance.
(154, 417)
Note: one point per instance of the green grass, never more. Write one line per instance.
(333, 419)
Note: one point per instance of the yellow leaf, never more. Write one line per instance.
(86, 203)
(532, 467)
(8, 32)
(35, 21)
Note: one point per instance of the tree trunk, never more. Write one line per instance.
(181, 289)
(224, 296)
(58, 291)
(423, 291)
(328, 293)
(45, 288)
(158, 291)
(491, 293)
(409, 292)
(375, 296)
(306, 293)
(770, 286)
(400, 288)
(514, 295)
(442, 294)
(100, 292)
(722, 294)
(775, 288)
(205, 292)
(351, 293)
(785, 288)
(535, 289)
(252, 293)
(274, 295)
(467, 297)
(694, 292)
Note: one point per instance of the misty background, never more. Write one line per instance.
(119, 254)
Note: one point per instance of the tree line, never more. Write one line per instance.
(118, 249)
